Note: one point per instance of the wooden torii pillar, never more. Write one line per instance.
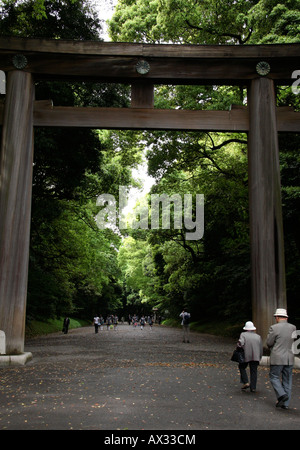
(265, 207)
(158, 64)
(15, 206)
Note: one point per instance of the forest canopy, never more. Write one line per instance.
(77, 268)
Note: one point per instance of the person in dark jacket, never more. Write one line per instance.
(66, 324)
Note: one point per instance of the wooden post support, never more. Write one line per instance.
(266, 229)
(142, 95)
(15, 207)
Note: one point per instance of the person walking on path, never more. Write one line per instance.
(96, 323)
(115, 320)
(186, 317)
(66, 325)
(253, 350)
(150, 321)
(280, 340)
(101, 322)
(108, 322)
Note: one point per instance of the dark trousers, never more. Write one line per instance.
(253, 373)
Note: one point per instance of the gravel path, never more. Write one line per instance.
(133, 379)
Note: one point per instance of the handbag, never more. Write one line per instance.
(238, 355)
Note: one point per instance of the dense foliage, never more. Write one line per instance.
(73, 265)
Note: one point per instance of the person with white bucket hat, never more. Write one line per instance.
(280, 340)
(251, 343)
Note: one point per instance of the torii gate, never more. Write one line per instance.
(258, 67)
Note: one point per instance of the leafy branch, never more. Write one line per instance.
(238, 37)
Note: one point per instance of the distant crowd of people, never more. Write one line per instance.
(111, 321)
(135, 320)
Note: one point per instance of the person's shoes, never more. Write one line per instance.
(284, 407)
(281, 400)
(253, 390)
(246, 386)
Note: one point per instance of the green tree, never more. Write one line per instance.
(73, 265)
(67, 19)
(275, 22)
(206, 22)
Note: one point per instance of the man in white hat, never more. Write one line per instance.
(280, 342)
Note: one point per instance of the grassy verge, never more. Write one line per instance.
(217, 328)
(37, 328)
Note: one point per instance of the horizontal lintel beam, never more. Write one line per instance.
(99, 48)
(173, 71)
(168, 63)
(142, 118)
(235, 120)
